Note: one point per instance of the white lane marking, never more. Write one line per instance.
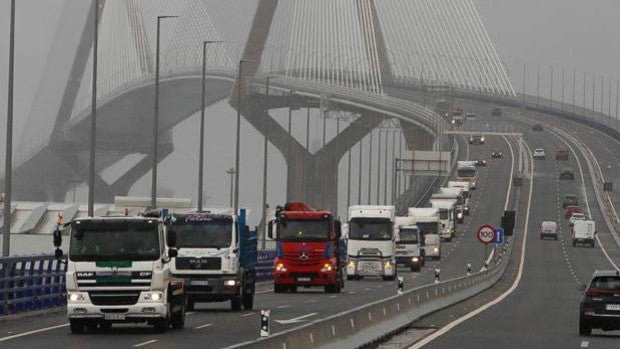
(248, 314)
(500, 298)
(32, 332)
(202, 326)
(261, 292)
(296, 319)
(332, 297)
(145, 343)
(584, 344)
(190, 313)
(283, 306)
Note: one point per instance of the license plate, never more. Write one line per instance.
(304, 279)
(114, 316)
(613, 307)
(199, 283)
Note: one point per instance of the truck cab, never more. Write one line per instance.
(428, 221)
(371, 248)
(465, 193)
(448, 216)
(216, 258)
(584, 233)
(309, 250)
(119, 271)
(409, 246)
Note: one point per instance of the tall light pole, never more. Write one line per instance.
(359, 174)
(156, 116)
(231, 171)
(93, 119)
(8, 167)
(201, 150)
(238, 136)
(265, 164)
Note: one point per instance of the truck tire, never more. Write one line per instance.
(350, 277)
(574, 244)
(161, 325)
(415, 268)
(178, 318)
(248, 301)
(76, 326)
(235, 304)
(190, 305)
(278, 288)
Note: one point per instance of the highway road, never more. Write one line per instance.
(221, 327)
(543, 310)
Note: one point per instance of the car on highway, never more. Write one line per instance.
(561, 154)
(599, 306)
(497, 155)
(549, 229)
(457, 120)
(576, 216)
(570, 210)
(539, 153)
(476, 139)
(496, 112)
(567, 174)
(470, 115)
(537, 127)
(480, 162)
(570, 200)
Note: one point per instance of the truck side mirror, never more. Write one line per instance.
(173, 253)
(270, 230)
(171, 238)
(57, 237)
(338, 229)
(58, 253)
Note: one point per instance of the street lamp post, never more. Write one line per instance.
(265, 164)
(231, 171)
(238, 136)
(6, 232)
(93, 119)
(156, 116)
(203, 106)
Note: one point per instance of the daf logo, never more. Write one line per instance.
(303, 256)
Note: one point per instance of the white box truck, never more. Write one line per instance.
(409, 244)
(447, 217)
(427, 220)
(584, 232)
(466, 194)
(370, 245)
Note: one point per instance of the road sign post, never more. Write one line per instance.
(486, 235)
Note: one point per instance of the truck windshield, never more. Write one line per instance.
(212, 234)
(428, 227)
(303, 230)
(444, 214)
(408, 236)
(364, 229)
(466, 172)
(114, 242)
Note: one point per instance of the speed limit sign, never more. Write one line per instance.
(486, 234)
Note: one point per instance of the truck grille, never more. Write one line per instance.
(303, 258)
(114, 297)
(203, 263)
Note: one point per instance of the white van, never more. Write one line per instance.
(549, 229)
(432, 246)
(584, 232)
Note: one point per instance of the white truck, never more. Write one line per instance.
(466, 194)
(370, 245)
(447, 217)
(409, 244)
(118, 271)
(584, 232)
(217, 257)
(427, 220)
(466, 171)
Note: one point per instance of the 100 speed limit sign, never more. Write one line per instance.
(486, 234)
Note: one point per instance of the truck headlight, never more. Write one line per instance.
(387, 265)
(327, 267)
(435, 249)
(153, 296)
(415, 259)
(459, 215)
(75, 297)
(280, 268)
(351, 265)
(230, 282)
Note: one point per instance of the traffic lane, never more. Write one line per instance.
(528, 318)
(487, 204)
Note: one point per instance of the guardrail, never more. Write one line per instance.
(30, 283)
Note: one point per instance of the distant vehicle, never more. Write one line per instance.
(433, 246)
(428, 220)
(561, 154)
(476, 139)
(460, 214)
(567, 174)
(576, 216)
(471, 115)
(481, 162)
(457, 120)
(497, 155)
(599, 306)
(537, 127)
(549, 229)
(496, 112)
(441, 106)
(466, 195)
(584, 232)
(466, 171)
(539, 153)
(570, 210)
(458, 111)
(570, 200)
(409, 245)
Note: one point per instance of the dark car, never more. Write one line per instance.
(570, 200)
(537, 127)
(476, 139)
(599, 306)
(496, 112)
(497, 155)
(567, 174)
(561, 154)
(480, 162)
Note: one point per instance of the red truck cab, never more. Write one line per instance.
(308, 249)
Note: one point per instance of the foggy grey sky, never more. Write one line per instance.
(576, 34)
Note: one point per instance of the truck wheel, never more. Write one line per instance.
(161, 325)
(178, 318)
(592, 244)
(574, 244)
(389, 278)
(278, 288)
(190, 305)
(415, 268)
(76, 326)
(248, 301)
(235, 304)
(350, 277)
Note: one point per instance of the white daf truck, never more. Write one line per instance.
(409, 244)
(118, 271)
(427, 220)
(447, 217)
(370, 246)
(466, 194)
